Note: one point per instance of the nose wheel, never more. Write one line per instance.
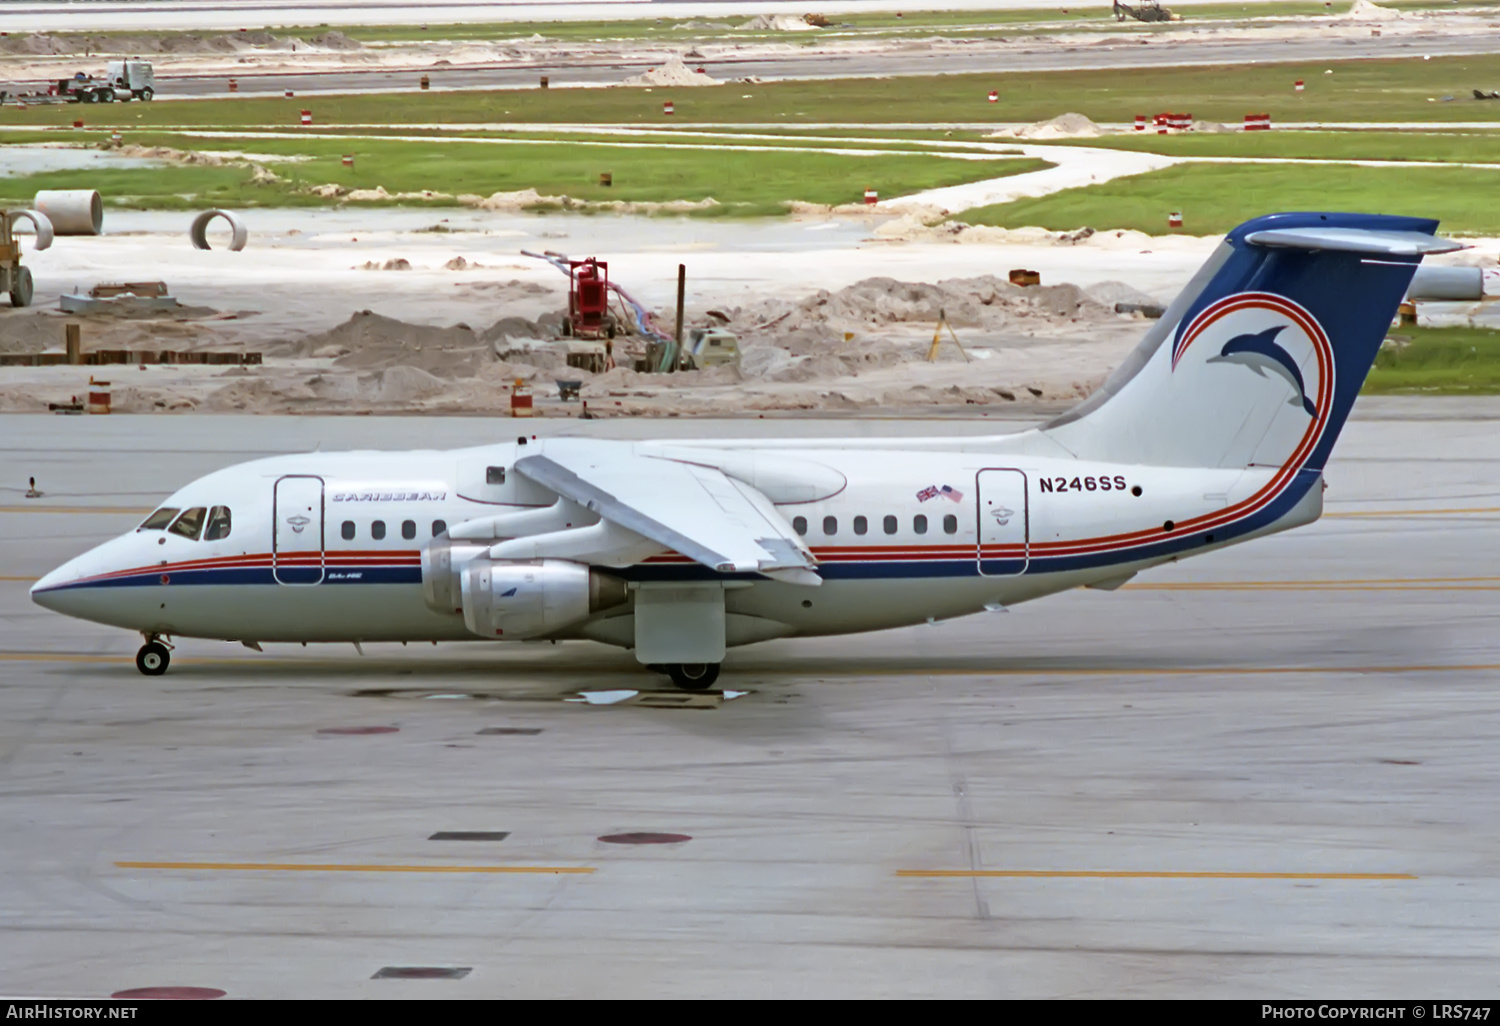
(153, 659)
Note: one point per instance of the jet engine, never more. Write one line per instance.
(443, 562)
(519, 599)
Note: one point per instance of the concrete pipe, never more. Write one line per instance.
(1447, 283)
(72, 211)
(239, 234)
(39, 222)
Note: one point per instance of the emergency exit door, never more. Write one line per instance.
(297, 530)
(1004, 527)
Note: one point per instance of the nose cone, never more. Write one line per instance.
(52, 591)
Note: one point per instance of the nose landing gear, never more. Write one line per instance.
(154, 657)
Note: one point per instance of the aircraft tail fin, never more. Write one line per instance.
(1259, 360)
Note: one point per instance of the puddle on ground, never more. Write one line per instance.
(659, 698)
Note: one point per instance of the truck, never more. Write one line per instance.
(123, 80)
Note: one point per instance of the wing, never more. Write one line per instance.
(713, 519)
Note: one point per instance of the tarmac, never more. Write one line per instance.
(1265, 773)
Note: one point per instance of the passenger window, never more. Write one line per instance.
(218, 524)
(919, 524)
(346, 532)
(190, 524)
(438, 527)
(408, 529)
(799, 524)
(830, 526)
(159, 520)
(950, 524)
(890, 525)
(861, 525)
(494, 475)
(377, 530)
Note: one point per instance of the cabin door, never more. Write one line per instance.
(297, 530)
(1004, 526)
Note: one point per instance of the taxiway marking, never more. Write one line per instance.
(132, 510)
(326, 867)
(1353, 584)
(1415, 512)
(1128, 874)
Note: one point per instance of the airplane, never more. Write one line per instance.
(1214, 431)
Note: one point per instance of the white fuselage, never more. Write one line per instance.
(900, 536)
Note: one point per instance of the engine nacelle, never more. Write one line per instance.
(443, 562)
(519, 599)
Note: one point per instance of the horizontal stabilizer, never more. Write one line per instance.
(1354, 240)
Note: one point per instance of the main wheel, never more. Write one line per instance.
(694, 676)
(153, 659)
(147, 93)
(20, 293)
(87, 97)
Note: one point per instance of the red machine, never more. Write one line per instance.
(588, 300)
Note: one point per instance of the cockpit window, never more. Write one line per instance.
(218, 524)
(159, 520)
(190, 524)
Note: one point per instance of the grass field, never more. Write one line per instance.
(1438, 361)
(746, 183)
(1214, 198)
(1360, 91)
(874, 23)
(1447, 145)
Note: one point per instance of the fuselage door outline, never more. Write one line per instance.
(1004, 520)
(296, 527)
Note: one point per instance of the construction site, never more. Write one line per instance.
(929, 288)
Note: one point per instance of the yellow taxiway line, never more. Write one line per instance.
(326, 867)
(1127, 874)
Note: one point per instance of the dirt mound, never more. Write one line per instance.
(136, 43)
(336, 40)
(776, 23)
(40, 43)
(1064, 126)
(25, 332)
(845, 325)
(370, 341)
(1364, 10)
(1108, 293)
(171, 156)
(672, 73)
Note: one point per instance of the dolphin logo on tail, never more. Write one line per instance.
(1260, 353)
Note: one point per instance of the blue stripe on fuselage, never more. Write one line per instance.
(872, 569)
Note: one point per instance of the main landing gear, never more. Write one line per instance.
(693, 676)
(154, 657)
